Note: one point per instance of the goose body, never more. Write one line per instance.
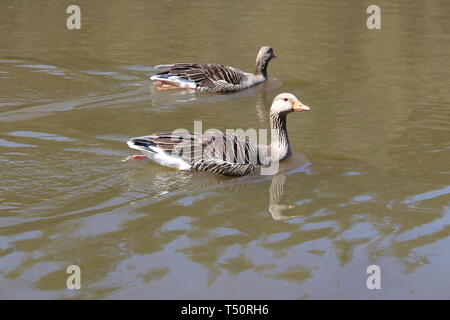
(214, 77)
(227, 153)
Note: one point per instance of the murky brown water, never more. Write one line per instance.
(374, 188)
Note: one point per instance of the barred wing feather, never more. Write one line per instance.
(227, 154)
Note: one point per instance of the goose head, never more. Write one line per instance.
(285, 103)
(265, 54)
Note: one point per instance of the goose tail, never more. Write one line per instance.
(173, 80)
(142, 144)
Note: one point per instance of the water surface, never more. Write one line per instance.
(368, 183)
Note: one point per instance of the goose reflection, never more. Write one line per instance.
(276, 192)
(262, 107)
(167, 184)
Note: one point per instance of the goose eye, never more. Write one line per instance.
(285, 99)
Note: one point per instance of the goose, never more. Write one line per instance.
(213, 77)
(227, 154)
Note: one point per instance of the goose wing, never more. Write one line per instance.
(205, 75)
(226, 154)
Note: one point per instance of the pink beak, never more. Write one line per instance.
(298, 106)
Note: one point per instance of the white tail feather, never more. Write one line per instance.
(174, 80)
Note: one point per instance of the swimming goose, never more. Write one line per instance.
(227, 154)
(213, 77)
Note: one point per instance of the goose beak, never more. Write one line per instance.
(298, 106)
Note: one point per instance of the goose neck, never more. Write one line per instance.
(261, 67)
(279, 146)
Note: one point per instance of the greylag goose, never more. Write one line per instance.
(227, 154)
(213, 77)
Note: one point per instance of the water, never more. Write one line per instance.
(368, 182)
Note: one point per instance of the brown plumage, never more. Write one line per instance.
(215, 77)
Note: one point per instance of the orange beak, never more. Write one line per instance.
(298, 106)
